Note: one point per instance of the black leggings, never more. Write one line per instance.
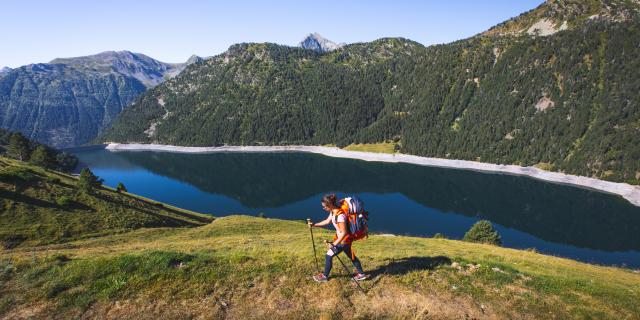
(328, 260)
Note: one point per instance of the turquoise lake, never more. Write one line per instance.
(402, 199)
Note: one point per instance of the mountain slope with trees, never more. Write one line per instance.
(69, 101)
(567, 101)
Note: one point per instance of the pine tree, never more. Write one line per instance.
(66, 161)
(483, 232)
(41, 157)
(18, 147)
(88, 182)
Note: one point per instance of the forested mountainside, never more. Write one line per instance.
(69, 101)
(557, 85)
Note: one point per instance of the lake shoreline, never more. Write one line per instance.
(629, 192)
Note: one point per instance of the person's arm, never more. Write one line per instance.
(321, 223)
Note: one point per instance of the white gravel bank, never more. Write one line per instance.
(627, 191)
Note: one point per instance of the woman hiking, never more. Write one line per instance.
(341, 241)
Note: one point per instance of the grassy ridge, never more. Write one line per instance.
(39, 206)
(246, 267)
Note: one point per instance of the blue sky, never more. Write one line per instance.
(38, 31)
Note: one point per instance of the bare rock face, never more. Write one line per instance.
(543, 104)
(545, 27)
(316, 42)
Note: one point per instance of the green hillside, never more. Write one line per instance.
(568, 99)
(39, 206)
(241, 267)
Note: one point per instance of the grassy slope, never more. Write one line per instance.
(246, 267)
(380, 147)
(30, 214)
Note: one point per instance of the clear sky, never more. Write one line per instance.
(40, 30)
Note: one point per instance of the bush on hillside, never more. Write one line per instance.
(121, 187)
(18, 177)
(88, 182)
(63, 201)
(483, 232)
(15, 174)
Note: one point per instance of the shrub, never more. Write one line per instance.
(63, 201)
(483, 232)
(121, 188)
(16, 175)
(54, 180)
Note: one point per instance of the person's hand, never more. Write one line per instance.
(328, 244)
(309, 223)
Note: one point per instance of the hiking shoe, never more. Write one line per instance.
(320, 277)
(360, 277)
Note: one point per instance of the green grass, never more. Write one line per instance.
(545, 166)
(248, 267)
(39, 206)
(381, 147)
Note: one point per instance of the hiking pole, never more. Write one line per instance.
(315, 256)
(345, 266)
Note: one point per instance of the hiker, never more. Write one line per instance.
(341, 241)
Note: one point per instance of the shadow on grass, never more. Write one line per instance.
(113, 198)
(19, 197)
(400, 267)
(406, 265)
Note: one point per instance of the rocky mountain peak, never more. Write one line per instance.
(314, 41)
(194, 59)
(556, 15)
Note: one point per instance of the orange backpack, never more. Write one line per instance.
(357, 218)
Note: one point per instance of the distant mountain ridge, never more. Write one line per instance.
(318, 43)
(69, 101)
(148, 71)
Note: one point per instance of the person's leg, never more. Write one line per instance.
(328, 263)
(354, 259)
(328, 259)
